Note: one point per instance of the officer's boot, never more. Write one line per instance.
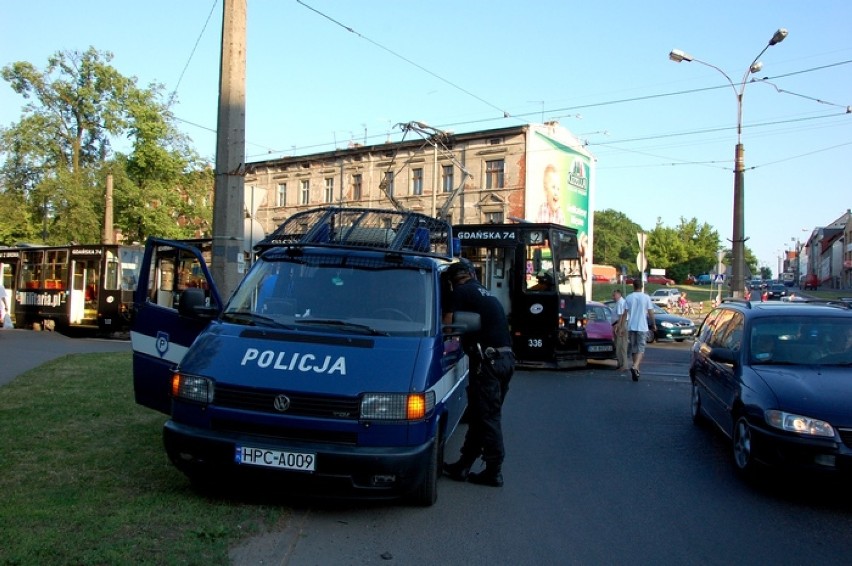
(492, 475)
(459, 470)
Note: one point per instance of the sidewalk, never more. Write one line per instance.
(23, 350)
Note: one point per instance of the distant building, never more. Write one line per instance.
(537, 172)
(828, 253)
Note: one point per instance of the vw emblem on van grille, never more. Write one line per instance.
(281, 403)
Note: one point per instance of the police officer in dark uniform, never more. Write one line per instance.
(491, 366)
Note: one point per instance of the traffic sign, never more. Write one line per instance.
(641, 261)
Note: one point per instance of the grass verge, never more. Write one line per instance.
(85, 480)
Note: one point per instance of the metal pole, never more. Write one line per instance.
(738, 244)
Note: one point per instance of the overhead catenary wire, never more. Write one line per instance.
(521, 116)
(191, 54)
(505, 114)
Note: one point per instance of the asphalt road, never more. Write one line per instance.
(599, 470)
(23, 350)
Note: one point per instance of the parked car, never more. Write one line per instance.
(703, 279)
(670, 327)
(660, 280)
(774, 378)
(811, 282)
(599, 343)
(655, 279)
(665, 297)
(776, 291)
(598, 278)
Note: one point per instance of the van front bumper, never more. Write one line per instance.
(340, 470)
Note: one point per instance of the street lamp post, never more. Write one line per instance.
(798, 269)
(738, 240)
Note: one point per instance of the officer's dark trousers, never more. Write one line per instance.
(486, 393)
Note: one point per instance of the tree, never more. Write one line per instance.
(58, 155)
(615, 240)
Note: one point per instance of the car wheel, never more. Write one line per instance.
(650, 337)
(743, 448)
(695, 405)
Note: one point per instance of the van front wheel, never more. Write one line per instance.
(427, 493)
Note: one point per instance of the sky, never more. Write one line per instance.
(323, 73)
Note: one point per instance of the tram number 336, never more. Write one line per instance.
(534, 343)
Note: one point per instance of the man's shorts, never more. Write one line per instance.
(636, 341)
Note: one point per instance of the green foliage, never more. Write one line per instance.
(58, 155)
(690, 248)
(615, 239)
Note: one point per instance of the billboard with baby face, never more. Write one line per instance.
(559, 184)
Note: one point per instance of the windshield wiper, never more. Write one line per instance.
(254, 319)
(353, 325)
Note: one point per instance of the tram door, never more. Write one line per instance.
(8, 276)
(83, 296)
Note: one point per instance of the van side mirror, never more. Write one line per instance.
(463, 323)
(193, 304)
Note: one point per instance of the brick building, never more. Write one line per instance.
(487, 176)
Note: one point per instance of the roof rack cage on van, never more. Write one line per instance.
(364, 228)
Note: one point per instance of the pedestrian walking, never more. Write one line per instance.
(640, 319)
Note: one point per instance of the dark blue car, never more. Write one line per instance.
(775, 378)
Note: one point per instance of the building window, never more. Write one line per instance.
(389, 182)
(305, 193)
(282, 194)
(494, 174)
(447, 178)
(357, 184)
(494, 217)
(417, 181)
(329, 189)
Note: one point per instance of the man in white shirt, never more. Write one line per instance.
(640, 319)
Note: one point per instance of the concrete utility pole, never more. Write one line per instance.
(108, 235)
(228, 207)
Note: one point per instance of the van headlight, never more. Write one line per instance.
(799, 424)
(192, 388)
(397, 406)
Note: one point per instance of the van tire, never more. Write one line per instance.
(427, 493)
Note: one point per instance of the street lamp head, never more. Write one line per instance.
(755, 67)
(677, 56)
(778, 36)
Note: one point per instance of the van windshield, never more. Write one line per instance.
(347, 296)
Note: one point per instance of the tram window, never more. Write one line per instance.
(31, 268)
(131, 260)
(571, 277)
(55, 269)
(111, 275)
(167, 276)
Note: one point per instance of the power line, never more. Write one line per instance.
(504, 113)
(194, 47)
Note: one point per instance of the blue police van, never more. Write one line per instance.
(328, 369)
